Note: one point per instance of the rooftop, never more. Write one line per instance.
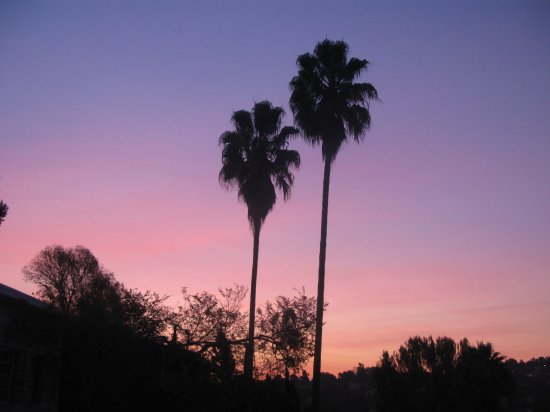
(16, 294)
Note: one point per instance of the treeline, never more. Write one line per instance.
(473, 381)
(123, 349)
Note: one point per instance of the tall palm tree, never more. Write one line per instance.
(329, 107)
(256, 160)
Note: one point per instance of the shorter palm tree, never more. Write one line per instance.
(256, 160)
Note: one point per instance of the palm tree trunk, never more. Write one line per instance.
(316, 384)
(249, 353)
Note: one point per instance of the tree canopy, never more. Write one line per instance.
(256, 158)
(67, 276)
(74, 283)
(327, 103)
(441, 375)
(287, 332)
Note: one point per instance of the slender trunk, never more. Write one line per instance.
(316, 384)
(249, 353)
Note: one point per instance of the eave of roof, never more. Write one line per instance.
(18, 295)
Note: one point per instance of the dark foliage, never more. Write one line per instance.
(223, 359)
(113, 355)
(328, 105)
(3, 211)
(107, 368)
(256, 159)
(532, 384)
(287, 330)
(68, 278)
(433, 375)
(439, 375)
(204, 320)
(73, 283)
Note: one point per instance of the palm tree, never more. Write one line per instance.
(329, 107)
(256, 160)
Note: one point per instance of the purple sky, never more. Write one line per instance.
(439, 222)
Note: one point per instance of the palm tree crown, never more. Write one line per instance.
(327, 105)
(256, 159)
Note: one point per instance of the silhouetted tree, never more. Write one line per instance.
(73, 282)
(145, 313)
(115, 355)
(66, 276)
(223, 359)
(428, 375)
(213, 324)
(287, 330)
(483, 381)
(202, 317)
(329, 107)
(3, 211)
(256, 160)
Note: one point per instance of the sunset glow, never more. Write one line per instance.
(438, 224)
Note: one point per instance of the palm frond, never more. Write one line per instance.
(332, 53)
(357, 120)
(286, 161)
(267, 119)
(286, 133)
(354, 68)
(242, 120)
(306, 63)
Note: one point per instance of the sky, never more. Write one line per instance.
(439, 222)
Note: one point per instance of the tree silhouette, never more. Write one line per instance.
(72, 282)
(287, 330)
(256, 160)
(202, 317)
(223, 359)
(440, 375)
(65, 276)
(329, 107)
(3, 211)
(483, 379)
